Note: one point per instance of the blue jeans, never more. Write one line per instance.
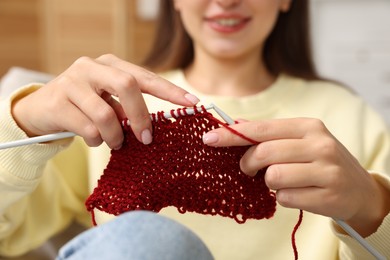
(136, 235)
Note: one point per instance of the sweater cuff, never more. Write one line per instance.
(21, 165)
(351, 249)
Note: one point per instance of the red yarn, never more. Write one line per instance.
(294, 245)
(177, 169)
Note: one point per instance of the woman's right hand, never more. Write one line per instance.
(80, 100)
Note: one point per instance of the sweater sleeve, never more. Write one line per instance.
(38, 197)
(351, 249)
(376, 140)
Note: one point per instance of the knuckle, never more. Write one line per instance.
(116, 143)
(284, 198)
(245, 168)
(82, 61)
(249, 163)
(93, 142)
(316, 124)
(262, 151)
(105, 115)
(91, 135)
(327, 146)
(272, 177)
(126, 82)
(107, 58)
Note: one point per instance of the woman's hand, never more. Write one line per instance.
(81, 100)
(309, 169)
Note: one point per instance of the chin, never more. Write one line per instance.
(228, 54)
(224, 51)
(231, 50)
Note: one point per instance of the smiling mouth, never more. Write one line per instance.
(230, 22)
(227, 24)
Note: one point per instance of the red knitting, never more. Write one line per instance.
(177, 169)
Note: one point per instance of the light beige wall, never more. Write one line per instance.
(352, 45)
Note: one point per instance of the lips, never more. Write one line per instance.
(227, 23)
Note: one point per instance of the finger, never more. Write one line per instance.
(98, 80)
(276, 152)
(115, 105)
(77, 122)
(150, 83)
(129, 88)
(137, 113)
(102, 79)
(292, 175)
(312, 199)
(121, 79)
(262, 131)
(100, 113)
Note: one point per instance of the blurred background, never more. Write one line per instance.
(351, 38)
(48, 35)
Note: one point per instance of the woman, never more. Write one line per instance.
(252, 59)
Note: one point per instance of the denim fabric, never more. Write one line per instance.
(136, 235)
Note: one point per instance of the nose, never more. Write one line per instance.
(227, 3)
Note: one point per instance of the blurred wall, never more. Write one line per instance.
(20, 34)
(352, 44)
(48, 35)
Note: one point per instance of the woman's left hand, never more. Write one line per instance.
(309, 169)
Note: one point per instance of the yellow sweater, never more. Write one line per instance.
(43, 187)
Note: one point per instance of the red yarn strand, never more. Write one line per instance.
(294, 245)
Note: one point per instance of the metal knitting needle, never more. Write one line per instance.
(62, 135)
(360, 239)
(37, 139)
(182, 112)
(223, 115)
(341, 223)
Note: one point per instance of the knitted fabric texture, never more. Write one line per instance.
(178, 169)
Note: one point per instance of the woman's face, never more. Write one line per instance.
(229, 28)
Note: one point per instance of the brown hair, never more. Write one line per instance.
(287, 49)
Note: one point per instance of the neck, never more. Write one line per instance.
(241, 76)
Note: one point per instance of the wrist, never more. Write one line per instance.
(20, 112)
(378, 207)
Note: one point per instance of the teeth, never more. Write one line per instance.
(228, 22)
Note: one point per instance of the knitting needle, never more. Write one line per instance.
(341, 223)
(223, 115)
(181, 112)
(360, 239)
(62, 135)
(37, 139)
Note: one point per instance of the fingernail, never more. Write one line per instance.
(210, 138)
(193, 99)
(146, 136)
